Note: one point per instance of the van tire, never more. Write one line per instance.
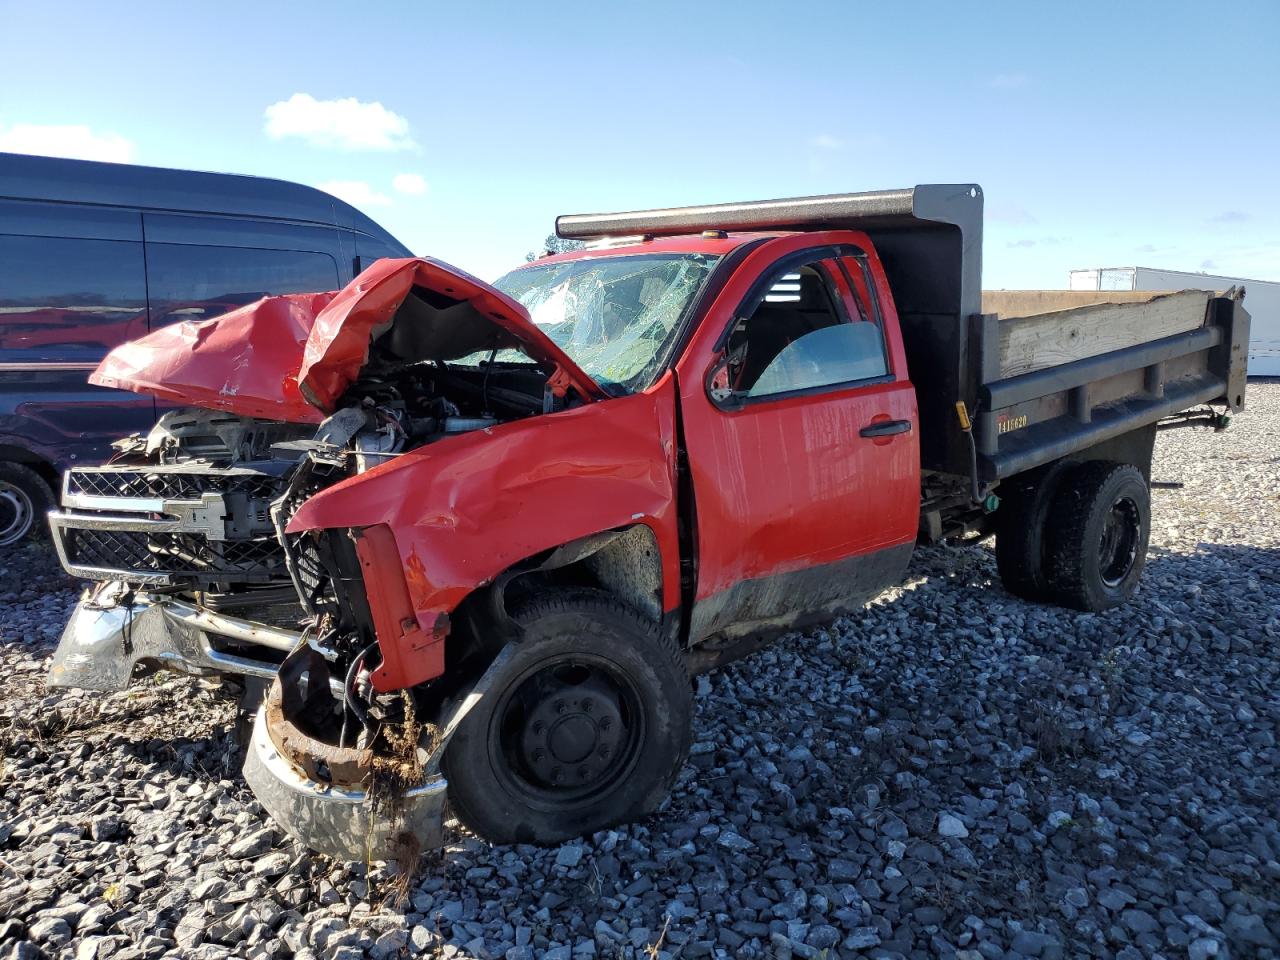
(1097, 534)
(586, 725)
(25, 498)
(1020, 538)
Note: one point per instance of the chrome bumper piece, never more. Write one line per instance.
(342, 822)
(110, 634)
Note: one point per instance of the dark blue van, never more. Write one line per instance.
(94, 254)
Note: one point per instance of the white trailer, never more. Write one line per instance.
(1262, 300)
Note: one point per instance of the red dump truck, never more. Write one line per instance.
(479, 537)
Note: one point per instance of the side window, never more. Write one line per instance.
(70, 300)
(188, 282)
(815, 326)
(370, 250)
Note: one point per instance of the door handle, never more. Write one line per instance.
(885, 428)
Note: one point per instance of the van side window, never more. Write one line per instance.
(802, 334)
(70, 300)
(191, 282)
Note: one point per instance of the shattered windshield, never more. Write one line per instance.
(614, 316)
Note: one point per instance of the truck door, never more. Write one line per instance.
(801, 431)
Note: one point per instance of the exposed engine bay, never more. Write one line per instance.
(196, 509)
(388, 415)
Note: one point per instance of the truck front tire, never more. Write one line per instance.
(25, 498)
(587, 725)
(1097, 532)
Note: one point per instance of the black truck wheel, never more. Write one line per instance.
(587, 725)
(1097, 534)
(24, 500)
(1020, 537)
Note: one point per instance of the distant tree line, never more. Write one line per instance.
(554, 244)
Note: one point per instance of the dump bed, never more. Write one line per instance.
(1040, 385)
(1052, 383)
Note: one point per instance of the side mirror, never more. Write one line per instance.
(720, 380)
(718, 386)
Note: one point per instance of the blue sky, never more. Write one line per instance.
(1106, 134)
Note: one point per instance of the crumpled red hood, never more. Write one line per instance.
(292, 357)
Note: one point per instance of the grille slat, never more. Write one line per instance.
(168, 486)
(183, 554)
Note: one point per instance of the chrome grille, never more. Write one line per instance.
(176, 554)
(207, 529)
(167, 485)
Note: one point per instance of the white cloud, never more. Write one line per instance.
(346, 124)
(825, 141)
(409, 183)
(76, 141)
(1007, 81)
(358, 193)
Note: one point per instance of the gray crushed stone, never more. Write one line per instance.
(955, 773)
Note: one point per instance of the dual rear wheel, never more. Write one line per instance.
(1079, 539)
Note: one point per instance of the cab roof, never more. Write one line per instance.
(693, 243)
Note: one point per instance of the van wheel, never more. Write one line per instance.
(1098, 530)
(587, 725)
(24, 500)
(1020, 538)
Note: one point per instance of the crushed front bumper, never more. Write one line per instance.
(324, 795)
(111, 632)
(343, 822)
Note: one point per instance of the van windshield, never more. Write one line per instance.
(616, 317)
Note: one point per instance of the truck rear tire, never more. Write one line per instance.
(25, 498)
(587, 725)
(1097, 534)
(1020, 538)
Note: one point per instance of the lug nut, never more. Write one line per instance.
(604, 753)
(560, 707)
(557, 774)
(583, 772)
(586, 706)
(605, 723)
(538, 726)
(539, 754)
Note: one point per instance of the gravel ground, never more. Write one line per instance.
(955, 773)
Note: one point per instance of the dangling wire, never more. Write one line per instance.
(348, 694)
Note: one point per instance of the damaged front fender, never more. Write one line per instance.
(465, 510)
